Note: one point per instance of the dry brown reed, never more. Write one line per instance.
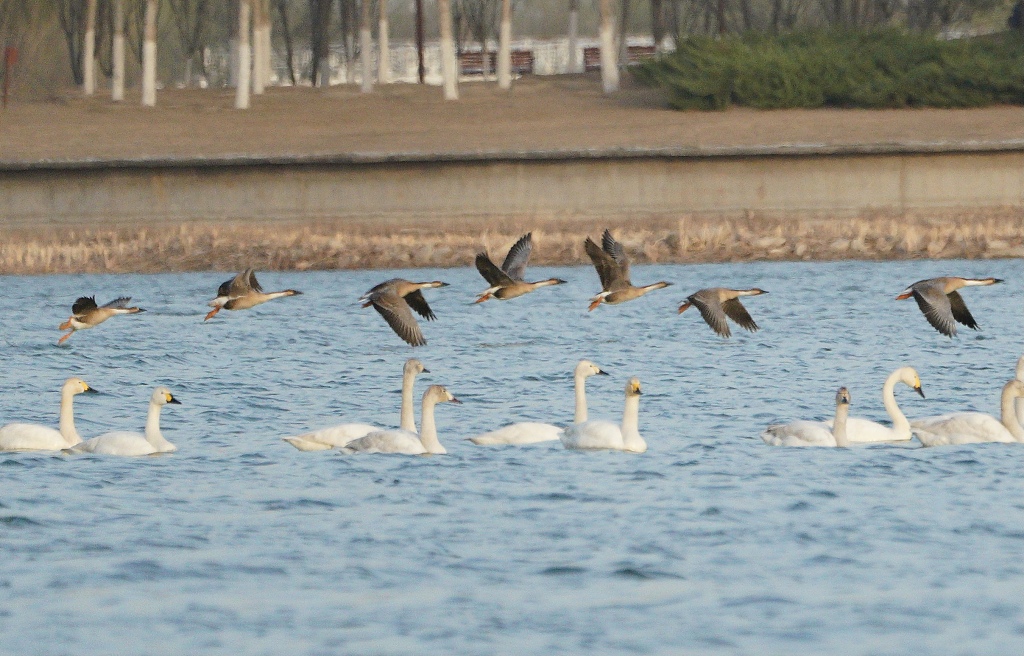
(391, 243)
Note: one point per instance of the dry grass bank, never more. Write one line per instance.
(206, 246)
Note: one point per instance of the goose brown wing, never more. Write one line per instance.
(735, 310)
(607, 268)
(936, 308)
(712, 312)
(416, 301)
(490, 271)
(83, 304)
(252, 282)
(960, 311)
(618, 253)
(515, 262)
(396, 312)
(119, 303)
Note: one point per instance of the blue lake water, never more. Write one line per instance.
(711, 542)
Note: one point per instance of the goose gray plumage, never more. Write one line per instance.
(507, 282)
(243, 292)
(612, 265)
(86, 314)
(717, 303)
(395, 299)
(942, 304)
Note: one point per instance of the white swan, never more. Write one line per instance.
(1020, 377)
(813, 433)
(609, 435)
(865, 430)
(531, 432)
(35, 437)
(407, 442)
(974, 427)
(128, 443)
(338, 436)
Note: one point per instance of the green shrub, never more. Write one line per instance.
(878, 69)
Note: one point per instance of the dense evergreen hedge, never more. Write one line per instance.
(887, 68)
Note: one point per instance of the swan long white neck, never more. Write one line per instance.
(67, 418)
(408, 421)
(1008, 410)
(153, 434)
(428, 430)
(631, 439)
(581, 399)
(899, 420)
(839, 425)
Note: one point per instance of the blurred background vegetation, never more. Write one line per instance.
(826, 37)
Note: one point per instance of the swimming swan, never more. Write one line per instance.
(405, 442)
(1020, 377)
(608, 435)
(813, 433)
(865, 430)
(974, 427)
(338, 436)
(35, 437)
(531, 432)
(129, 443)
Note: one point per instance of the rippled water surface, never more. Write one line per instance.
(711, 542)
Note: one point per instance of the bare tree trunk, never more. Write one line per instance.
(748, 14)
(449, 66)
(366, 46)
(233, 44)
(609, 71)
(257, 47)
(623, 31)
(505, 46)
(720, 16)
(117, 83)
(282, 9)
(421, 72)
(383, 49)
(89, 59)
(268, 43)
(658, 24)
(149, 56)
(574, 44)
(244, 54)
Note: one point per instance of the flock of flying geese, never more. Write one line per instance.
(396, 300)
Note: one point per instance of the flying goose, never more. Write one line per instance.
(86, 314)
(241, 293)
(717, 303)
(942, 304)
(393, 300)
(612, 266)
(507, 282)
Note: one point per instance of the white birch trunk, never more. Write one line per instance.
(244, 55)
(268, 45)
(89, 56)
(505, 46)
(117, 83)
(257, 47)
(609, 68)
(383, 46)
(366, 47)
(575, 66)
(149, 56)
(449, 65)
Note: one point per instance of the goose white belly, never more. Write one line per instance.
(31, 437)
(960, 428)
(389, 441)
(333, 437)
(524, 432)
(799, 433)
(119, 443)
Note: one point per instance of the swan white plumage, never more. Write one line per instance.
(865, 430)
(974, 427)
(813, 433)
(531, 432)
(607, 434)
(129, 443)
(36, 437)
(406, 442)
(1020, 377)
(334, 437)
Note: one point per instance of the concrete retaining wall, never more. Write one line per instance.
(781, 181)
